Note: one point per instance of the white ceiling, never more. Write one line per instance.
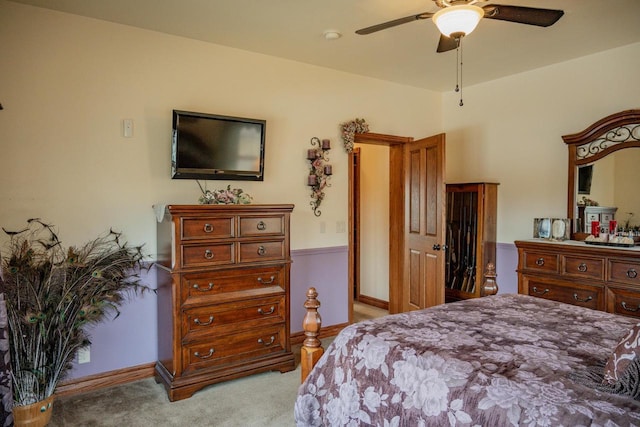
(293, 29)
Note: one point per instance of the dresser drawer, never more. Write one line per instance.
(541, 261)
(234, 348)
(198, 323)
(589, 268)
(210, 287)
(261, 251)
(622, 271)
(581, 295)
(623, 301)
(207, 254)
(252, 226)
(207, 228)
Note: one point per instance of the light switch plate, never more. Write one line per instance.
(127, 128)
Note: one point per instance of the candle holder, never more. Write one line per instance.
(320, 171)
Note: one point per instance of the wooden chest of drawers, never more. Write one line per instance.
(598, 277)
(223, 294)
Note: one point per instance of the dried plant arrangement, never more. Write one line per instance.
(52, 293)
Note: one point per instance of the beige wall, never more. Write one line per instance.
(67, 82)
(603, 182)
(374, 217)
(510, 130)
(626, 196)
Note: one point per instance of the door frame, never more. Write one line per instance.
(396, 215)
(355, 212)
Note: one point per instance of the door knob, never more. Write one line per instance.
(436, 247)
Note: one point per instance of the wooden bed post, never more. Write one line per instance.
(311, 347)
(489, 286)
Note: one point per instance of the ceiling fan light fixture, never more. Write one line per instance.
(458, 19)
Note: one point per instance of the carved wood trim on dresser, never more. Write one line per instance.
(598, 277)
(223, 294)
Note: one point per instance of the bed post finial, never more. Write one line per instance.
(489, 286)
(311, 347)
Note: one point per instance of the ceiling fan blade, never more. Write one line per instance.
(523, 15)
(395, 22)
(446, 44)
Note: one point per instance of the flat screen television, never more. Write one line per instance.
(208, 146)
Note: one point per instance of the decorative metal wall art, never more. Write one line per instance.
(319, 173)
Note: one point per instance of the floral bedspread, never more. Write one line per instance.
(494, 361)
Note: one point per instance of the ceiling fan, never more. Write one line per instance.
(458, 18)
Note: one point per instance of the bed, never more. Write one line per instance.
(495, 361)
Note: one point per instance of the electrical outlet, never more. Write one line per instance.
(84, 354)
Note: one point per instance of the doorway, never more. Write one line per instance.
(370, 213)
(401, 276)
(396, 216)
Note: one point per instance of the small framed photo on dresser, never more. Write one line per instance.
(560, 229)
(541, 228)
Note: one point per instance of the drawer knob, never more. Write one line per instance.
(582, 267)
(540, 292)
(266, 282)
(624, 305)
(632, 273)
(587, 299)
(262, 250)
(261, 226)
(200, 323)
(266, 344)
(540, 262)
(208, 254)
(208, 228)
(198, 288)
(271, 310)
(204, 356)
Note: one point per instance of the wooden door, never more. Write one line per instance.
(425, 196)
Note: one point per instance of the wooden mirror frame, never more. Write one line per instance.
(612, 133)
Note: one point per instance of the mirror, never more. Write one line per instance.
(612, 181)
(607, 153)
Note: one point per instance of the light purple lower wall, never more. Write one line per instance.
(128, 340)
(506, 264)
(326, 269)
(131, 339)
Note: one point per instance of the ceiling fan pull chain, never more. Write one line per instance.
(457, 70)
(460, 73)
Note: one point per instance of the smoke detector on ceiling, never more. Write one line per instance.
(332, 34)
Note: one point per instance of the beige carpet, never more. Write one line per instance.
(260, 400)
(365, 312)
(265, 399)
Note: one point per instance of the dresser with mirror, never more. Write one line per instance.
(600, 274)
